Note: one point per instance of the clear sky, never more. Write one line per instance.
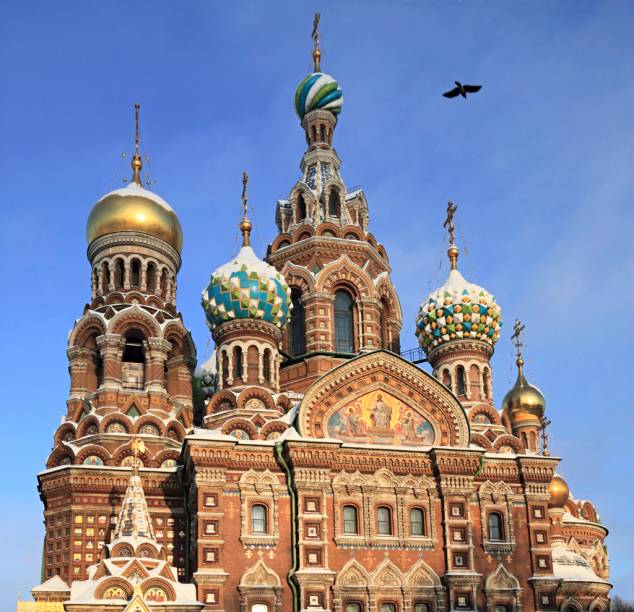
(540, 163)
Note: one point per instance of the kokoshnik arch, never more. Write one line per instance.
(307, 465)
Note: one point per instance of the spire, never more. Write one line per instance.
(452, 251)
(136, 162)
(134, 517)
(315, 37)
(245, 224)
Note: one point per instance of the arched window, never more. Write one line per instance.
(446, 378)
(301, 208)
(460, 380)
(259, 608)
(354, 606)
(238, 367)
(496, 529)
(350, 520)
(344, 322)
(266, 365)
(501, 608)
(417, 522)
(384, 520)
(133, 361)
(105, 278)
(485, 384)
(314, 133)
(151, 278)
(322, 133)
(118, 274)
(258, 519)
(297, 326)
(388, 607)
(135, 273)
(422, 607)
(334, 204)
(384, 316)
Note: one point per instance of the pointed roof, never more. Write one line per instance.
(52, 584)
(134, 517)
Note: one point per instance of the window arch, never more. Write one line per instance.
(384, 520)
(417, 522)
(297, 325)
(354, 606)
(350, 520)
(496, 527)
(164, 284)
(460, 380)
(105, 278)
(322, 133)
(118, 274)
(344, 322)
(133, 360)
(135, 273)
(266, 365)
(258, 519)
(334, 204)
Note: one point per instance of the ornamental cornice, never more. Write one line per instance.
(328, 245)
(227, 328)
(460, 348)
(127, 239)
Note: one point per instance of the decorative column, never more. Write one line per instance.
(111, 349)
(155, 358)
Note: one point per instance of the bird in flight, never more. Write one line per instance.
(461, 90)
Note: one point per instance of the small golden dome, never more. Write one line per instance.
(559, 492)
(135, 209)
(524, 402)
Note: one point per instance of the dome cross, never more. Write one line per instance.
(137, 163)
(245, 224)
(516, 338)
(315, 36)
(452, 251)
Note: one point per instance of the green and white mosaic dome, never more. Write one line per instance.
(246, 288)
(318, 91)
(458, 309)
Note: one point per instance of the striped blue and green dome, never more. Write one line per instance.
(246, 288)
(318, 91)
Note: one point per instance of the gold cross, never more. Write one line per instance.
(245, 182)
(448, 224)
(518, 328)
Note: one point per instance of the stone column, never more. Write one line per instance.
(80, 361)
(155, 358)
(179, 379)
(111, 349)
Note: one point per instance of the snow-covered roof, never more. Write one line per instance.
(132, 189)
(569, 565)
(52, 584)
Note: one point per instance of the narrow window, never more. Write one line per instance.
(301, 208)
(417, 522)
(297, 327)
(266, 365)
(350, 522)
(314, 133)
(485, 384)
(118, 274)
(496, 532)
(105, 278)
(151, 278)
(334, 204)
(322, 133)
(135, 273)
(344, 323)
(133, 361)
(384, 316)
(164, 284)
(501, 608)
(384, 520)
(237, 363)
(258, 519)
(460, 380)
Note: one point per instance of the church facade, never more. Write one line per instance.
(309, 465)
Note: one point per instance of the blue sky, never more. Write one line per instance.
(540, 163)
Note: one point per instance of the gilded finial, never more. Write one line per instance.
(315, 37)
(518, 328)
(137, 163)
(138, 448)
(452, 251)
(245, 224)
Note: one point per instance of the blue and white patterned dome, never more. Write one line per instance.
(246, 288)
(318, 91)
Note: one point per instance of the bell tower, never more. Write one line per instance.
(343, 299)
(131, 362)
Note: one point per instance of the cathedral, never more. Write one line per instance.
(310, 464)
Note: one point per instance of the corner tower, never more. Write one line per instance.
(343, 299)
(131, 361)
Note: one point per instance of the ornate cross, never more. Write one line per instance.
(544, 424)
(315, 36)
(448, 224)
(518, 328)
(245, 182)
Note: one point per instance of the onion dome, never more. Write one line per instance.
(134, 209)
(457, 310)
(558, 491)
(524, 402)
(318, 91)
(246, 287)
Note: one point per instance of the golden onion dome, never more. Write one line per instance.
(524, 402)
(135, 209)
(559, 492)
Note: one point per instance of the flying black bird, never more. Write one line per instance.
(462, 90)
